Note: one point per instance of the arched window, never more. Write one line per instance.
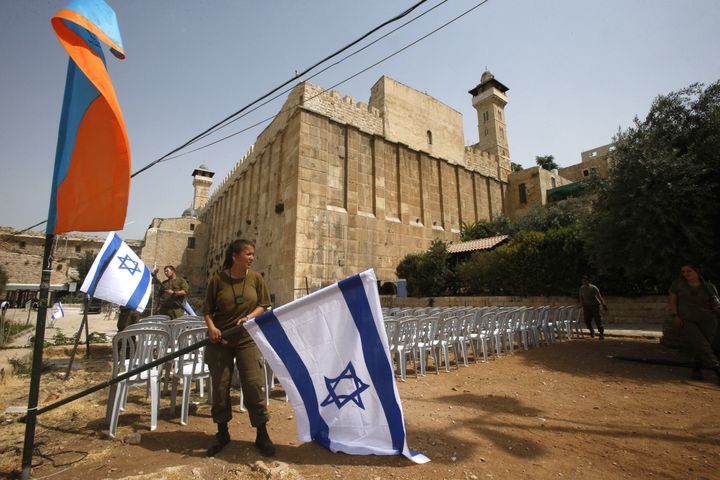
(429, 137)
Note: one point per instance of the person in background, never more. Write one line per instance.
(127, 317)
(235, 295)
(693, 309)
(172, 293)
(591, 299)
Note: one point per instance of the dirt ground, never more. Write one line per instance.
(562, 411)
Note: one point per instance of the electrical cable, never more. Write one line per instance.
(325, 90)
(336, 53)
(218, 124)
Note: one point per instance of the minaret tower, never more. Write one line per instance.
(489, 99)
(202, 181)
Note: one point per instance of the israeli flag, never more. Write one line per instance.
(58, 312)
(118, 276)
(330, 352)
(188, 308)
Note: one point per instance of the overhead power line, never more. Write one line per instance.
(299, 75)
(396, 52)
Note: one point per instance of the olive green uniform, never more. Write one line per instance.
(239, 350)
(591, 308)
(172, 305)
(127, 317)
(700, 324)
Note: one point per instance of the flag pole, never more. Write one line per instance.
(28, 445)
(77, 337)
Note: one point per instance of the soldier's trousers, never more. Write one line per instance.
(703, 339)
(221, 360)
(591, 312)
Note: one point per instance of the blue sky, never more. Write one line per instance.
(577, 71)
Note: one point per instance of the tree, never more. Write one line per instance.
(516, 167)
(546, 161)
(428, 273)
(659, 206)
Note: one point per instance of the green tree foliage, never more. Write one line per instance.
(659, 207)
(532, 263)
(546, 161)
(428, 274)
(476, 230)
(515, 167)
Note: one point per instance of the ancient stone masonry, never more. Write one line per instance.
(334, 186)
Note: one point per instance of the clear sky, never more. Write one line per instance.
(577, 71)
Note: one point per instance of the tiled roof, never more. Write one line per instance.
(479, 244)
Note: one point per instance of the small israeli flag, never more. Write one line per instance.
(330, 352)
(118, 276)
(58, 312)
(188, 308)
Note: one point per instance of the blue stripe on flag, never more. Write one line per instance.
(107, 256)
(140, 290)
(278, 340)
(375, 357)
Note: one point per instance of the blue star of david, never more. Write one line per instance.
(124, 264)
(341, 400)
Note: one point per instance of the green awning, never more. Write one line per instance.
(565, 191)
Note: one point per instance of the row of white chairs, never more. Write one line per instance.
(419, 333)
(150, 339)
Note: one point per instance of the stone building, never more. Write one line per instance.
(182, 241)
(334, 186)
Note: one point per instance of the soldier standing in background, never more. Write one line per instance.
(172, 293)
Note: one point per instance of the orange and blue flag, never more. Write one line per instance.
(91, 181)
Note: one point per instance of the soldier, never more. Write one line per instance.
(235, 295)
(591, 299)
(172, 293)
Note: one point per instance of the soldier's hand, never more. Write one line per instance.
(214, 334)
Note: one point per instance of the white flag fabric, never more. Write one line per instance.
(118, 276)
(330, 352)
(188, 308)
(58, 312)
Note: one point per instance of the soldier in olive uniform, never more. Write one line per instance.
(172, 293)
(235, 295)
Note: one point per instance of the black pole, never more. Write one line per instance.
(126, 375)
(77, 339)
(29, 443)
(87, 327)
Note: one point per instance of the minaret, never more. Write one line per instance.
(489, 99)
(202, 181)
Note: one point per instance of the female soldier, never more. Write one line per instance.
(692, 310)
(235, 295)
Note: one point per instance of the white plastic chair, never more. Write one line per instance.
(133, 348)
(191, 368)
(406, 345)
(427, 341)
(446, 340)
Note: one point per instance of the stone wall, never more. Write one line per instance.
(537, 182)
(326, 195)
(648, 310)
(180, 242)
(418, 120)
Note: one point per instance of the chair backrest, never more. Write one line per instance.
(407, 332)
(427, 329)
(155, 318)
(391, 330)
(133, 348)
(186, 338)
